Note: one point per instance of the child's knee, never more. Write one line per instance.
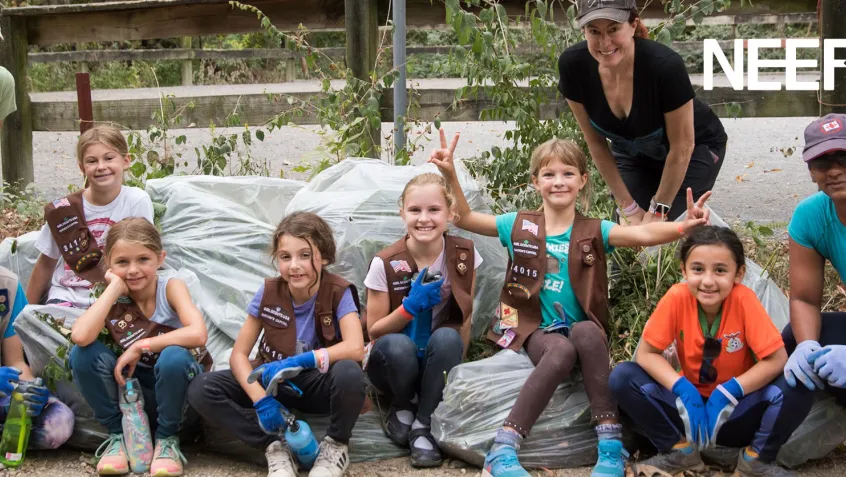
(347, 376)
(446, 339)
(176, 361)
(588, 334)
(95, 358)
(621, 378)
(395, 347)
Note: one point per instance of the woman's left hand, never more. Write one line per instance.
(129, 358)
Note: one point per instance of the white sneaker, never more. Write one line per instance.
(332, 460)
(280, 461)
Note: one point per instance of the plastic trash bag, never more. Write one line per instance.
(358, 198)
(368, 442)
(820, 433)
(220, 228)
(479, 396)
(19, 255)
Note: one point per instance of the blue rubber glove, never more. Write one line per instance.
(720, 406)
(422, 297)
(8, 378)
(269, 412)
(35, 396)
(692, 411)
(798, 367)
(830, 364)
(268, 371)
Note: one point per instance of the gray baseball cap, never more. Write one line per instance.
(825, 135)
(614, 10)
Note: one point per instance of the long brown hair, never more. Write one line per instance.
(311, 228)
(137, 230)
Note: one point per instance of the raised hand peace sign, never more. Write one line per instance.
(443, 157)
(697, 214)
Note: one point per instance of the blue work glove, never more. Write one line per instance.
(692, 411)
(830, 364)
(268, 371)
(720, 406)
(35, 396)
(422, 297)
(8, 378)
(799, 367)
(269, 412)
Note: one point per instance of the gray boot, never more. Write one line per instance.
(669, 464)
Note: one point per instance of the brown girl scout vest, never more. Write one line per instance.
(66, 219)
(276, 313)
(520, 295)
(460, 261)
(127, 324)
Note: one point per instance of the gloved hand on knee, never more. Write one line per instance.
(799, 368)
(269, 412)
(720, 406)
(692, 411)
(830, 364)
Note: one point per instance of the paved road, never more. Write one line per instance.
(757, 182)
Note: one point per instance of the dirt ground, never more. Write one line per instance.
(67, 463)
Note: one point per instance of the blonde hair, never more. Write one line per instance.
(106, 134)
(427, 179)
(137, 230)
(570, 154)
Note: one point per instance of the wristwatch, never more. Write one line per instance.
(659, 209)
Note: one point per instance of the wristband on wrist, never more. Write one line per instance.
(681, 230)
(408, 316)
(631, 209)
(322, 357)
(145, 345)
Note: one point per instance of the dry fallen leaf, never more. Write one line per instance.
(751, 164)
(740, 178)
(773, 170)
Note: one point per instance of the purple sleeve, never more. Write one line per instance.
(346, 306)
(253, 306)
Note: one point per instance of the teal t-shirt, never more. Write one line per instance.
(815, 225)
(556, 282)
(20, 303)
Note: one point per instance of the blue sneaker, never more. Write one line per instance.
(501, 461)
(611, 461)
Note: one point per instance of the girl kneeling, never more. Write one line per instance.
(310, 320)
(420, 329)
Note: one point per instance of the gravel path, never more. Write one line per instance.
(758, 180)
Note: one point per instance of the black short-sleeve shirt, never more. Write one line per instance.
(661, 84)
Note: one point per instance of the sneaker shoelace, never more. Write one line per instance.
(169, 449)
(111, 446)
(329, 454)
(279, 460)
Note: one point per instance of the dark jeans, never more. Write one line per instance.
(163, 386)
(642, 176)
(396, 371)
(763, 419)
(554, 356)
(340, 393)
(832, 332)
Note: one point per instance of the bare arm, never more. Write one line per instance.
(655, 233)
(763, 372)
(239, 361)
(681, 135)
(193, 333)
(39, 281)
(652, 361)
(13, 355)
(86, 328)
(381, 320)
(467, 219)
(352, 347)
(806, 289)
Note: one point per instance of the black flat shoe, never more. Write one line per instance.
(422, 458)
(396, 431)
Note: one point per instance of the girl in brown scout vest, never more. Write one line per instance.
(420, 330)
(554, 301)
(155, 322)
(310, 320)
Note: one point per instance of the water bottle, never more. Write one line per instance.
(15, 432)
(302, 442)
(136, 427)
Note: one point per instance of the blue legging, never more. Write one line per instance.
(763, 419)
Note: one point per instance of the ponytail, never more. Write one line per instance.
(640, 30)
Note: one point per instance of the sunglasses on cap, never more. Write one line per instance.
(827, 161)
(707, 372)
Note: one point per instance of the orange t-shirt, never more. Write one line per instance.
(745, 328)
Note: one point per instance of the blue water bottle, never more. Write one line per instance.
(302, 442)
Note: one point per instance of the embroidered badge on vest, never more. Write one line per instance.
(5, 306)
(733, 342)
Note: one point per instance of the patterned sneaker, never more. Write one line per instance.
(167, 458)
(502, 461)
(752, 467)
(332, 460)
(112, 455)
(611, 460)
(670, 464)
(280, 462)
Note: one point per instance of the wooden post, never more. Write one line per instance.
(362, 42)
(16, 135)
(187, 65)
(83, 101)
(833, 25)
